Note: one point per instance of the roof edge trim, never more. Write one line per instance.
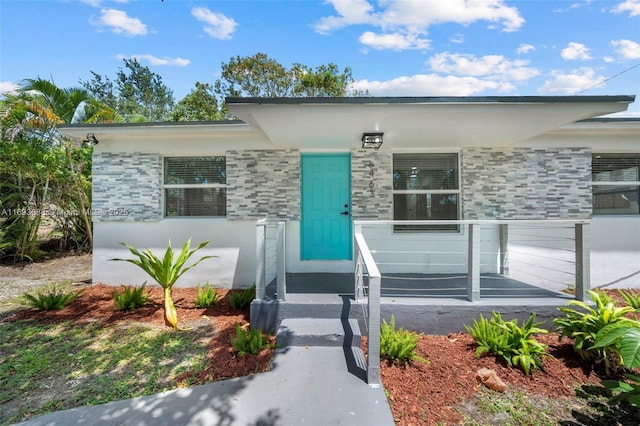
(429, 100)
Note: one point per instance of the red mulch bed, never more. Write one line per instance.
(96, 304)
(418, 393)
(429, 393)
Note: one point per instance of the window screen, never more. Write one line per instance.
(616, 184)
(425, 187)
(195, 186)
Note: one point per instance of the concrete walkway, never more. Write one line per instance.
(307, 385)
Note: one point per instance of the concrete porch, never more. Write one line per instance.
(429, 303)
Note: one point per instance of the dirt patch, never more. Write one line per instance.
(18, 279)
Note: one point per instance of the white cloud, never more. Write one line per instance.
(627, 49)
(430, 85)
(404, 23)
(575, 51)
(120, 23)
(571, 82)
(351, 12)
(7, 87)
(217, 25)
(494, 67)
(156, 61)
(631, 6)
(393, 41)
(525, 48)
(457, 38)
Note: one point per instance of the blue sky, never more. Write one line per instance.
(394, 47)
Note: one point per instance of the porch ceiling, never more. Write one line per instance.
(338, 123)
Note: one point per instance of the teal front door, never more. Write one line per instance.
(325, 228)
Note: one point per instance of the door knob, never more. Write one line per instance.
(345, 213)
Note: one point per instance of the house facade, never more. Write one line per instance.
(305, 162)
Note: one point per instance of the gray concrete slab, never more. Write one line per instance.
(306, 385)
(317, 332)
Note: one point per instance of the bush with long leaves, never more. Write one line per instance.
(399, 345)
(583, 325)
(507, 339)
(131, 298)
(166, 271)
(632, 299)
(625, 337)
(55, 297)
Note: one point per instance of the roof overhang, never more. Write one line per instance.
(169, 132)
(338, 123)
(417, 122)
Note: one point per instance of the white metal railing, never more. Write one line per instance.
(364, 262)
(562, 235)
(270, 258)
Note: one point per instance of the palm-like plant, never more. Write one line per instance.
(166, 271)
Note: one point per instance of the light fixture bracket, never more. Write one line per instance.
(372, 140)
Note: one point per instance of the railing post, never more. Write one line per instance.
(583, 267)
(260, 259)
(281, 270)
(504, 246)
(373, 339)
(357, 273)
(473, 273)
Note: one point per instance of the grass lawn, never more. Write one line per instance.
(59, 366)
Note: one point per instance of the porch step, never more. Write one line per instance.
(318, 332)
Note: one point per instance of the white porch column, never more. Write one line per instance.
(473, 265)
(583, 266)
(281, 269)
(260, 260)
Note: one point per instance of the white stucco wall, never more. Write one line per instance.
(615, 252)
(232, 241)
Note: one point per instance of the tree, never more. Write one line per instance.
(261, 76)
(257, 75)
(39, 168)
(138, 94)
(200, 104)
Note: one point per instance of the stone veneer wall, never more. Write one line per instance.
(526, 183)
(371, 184)
(263, 184)
(126, 187)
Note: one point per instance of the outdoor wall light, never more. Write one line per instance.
(372, 140)
(91, 138)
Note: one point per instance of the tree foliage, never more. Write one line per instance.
(43, 176)
(137, 94)
(200, 104)
(261, 76)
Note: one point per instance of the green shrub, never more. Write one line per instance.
(166, 271)
(632, 299)
(206, 297)
(510, 341)
(628, 391)
(626, 339)
(398, 345)
(249, 341)
(54, 297)
(242, 299)
(131, 297)
(583, 324)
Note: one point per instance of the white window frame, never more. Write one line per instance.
(187, 186)
(457, 191)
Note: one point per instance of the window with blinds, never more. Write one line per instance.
(616, 184)
(425, 187)
(195, 186)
